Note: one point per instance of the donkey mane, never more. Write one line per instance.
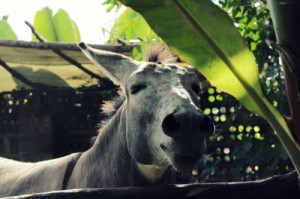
(160, 54)
(110, 107)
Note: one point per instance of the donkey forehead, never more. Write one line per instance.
(164, 72)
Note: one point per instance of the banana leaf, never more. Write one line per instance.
(43, 24)
(59, 27)
(66, 29)
(6, 32)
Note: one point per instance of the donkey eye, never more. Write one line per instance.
(196, 88)
(136, 88)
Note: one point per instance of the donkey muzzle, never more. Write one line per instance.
(187, 130)
(185, 123)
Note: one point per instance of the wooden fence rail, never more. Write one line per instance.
(277, 187)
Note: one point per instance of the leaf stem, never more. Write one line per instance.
(290, 68)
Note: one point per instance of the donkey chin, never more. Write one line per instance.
(182, 156)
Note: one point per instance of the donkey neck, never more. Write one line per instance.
(109, 155)
(115, 131)
(107, 163)
(152, 173)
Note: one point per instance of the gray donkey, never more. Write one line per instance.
(158, 125)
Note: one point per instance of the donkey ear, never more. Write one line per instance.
(115, 66)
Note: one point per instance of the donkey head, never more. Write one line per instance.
(164, 123)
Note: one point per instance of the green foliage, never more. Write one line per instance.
(55, 28)
(252, 18)
(43, 24)
(6, 32)
(112, 4)
(244, 147)
(129, 26)
(66, 29)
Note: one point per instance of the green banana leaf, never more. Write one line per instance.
(43, 24)
(65, 28)
(131, 25)
(55, 28)
(6, 32)
(204, 36)
(76, 32)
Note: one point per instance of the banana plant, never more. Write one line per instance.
(130, 25)
(6, 32)
(59, 27)
(203, 35)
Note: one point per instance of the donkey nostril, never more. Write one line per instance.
(170, 125)
(207, 125)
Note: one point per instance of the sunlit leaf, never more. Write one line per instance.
(112, 4)
(65, 28)
(6, 32)
(258, 136)
(131, 25)
(76, 31)
(43, 24)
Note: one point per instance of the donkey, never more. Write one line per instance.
(159, 125)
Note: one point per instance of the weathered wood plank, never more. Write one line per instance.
(24, 52)
(278, 187)
(39, 64)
